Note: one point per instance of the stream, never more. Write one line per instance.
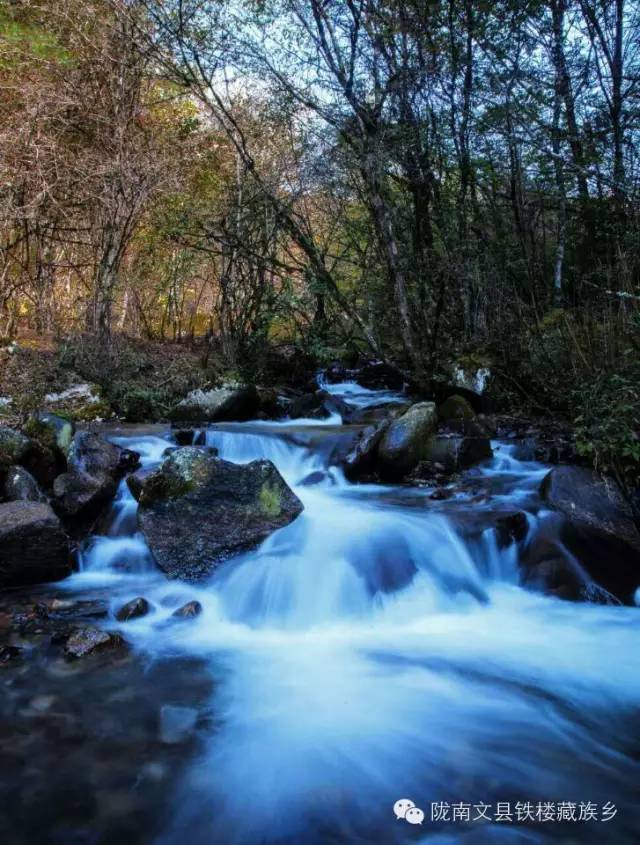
(378, 648)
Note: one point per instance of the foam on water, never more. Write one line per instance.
(368, 651)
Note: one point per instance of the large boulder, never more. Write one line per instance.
(197, 510)
(226, 404)
(406, 439)
(361, 458)
(33, 545)
(91, 481)
(599, 528)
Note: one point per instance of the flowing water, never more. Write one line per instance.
(380, 647)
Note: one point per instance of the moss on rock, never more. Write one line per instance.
(270, 499)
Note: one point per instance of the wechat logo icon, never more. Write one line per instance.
(406, 809)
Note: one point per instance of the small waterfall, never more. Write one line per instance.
(360, 397)
(243, 444)
(377, 648)
(121, 550)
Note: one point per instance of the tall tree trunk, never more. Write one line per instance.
(558, 8)
(383, 221)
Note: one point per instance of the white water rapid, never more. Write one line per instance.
(380, 647)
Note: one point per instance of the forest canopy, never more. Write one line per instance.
(411, 180)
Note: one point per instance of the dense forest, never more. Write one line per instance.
(419, 182)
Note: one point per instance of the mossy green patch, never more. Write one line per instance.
(270, 501)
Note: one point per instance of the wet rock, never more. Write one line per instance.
(133, 609)
(197, 510)
(405, 440)
(374, 414)
(78, 608)
(128, 461)
(599, 528)
(556, 576)
(313, 478)
(547, 449)
(95, 465)
(184, 436)
(546, 565)
(310, 406)
(177, 723)
(136, 480)
(86, 641)
(512, 527)
(21, 486)
(334, 405)
(188, 611)
(361, 458)
(453, 453)
(33, 545)
(224, 404)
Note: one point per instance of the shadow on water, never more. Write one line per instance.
(378, 647)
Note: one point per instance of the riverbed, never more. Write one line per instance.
(381, 647)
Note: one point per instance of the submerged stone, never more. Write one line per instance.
(133, 609)
(85, 641)
(188, 611)
(177, 723)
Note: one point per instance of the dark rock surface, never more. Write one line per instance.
(33, 545)
(188, 611)
(88, 640)
(405, 440)
(133, 609)
(94, 467)
(361, 458)
(197, 510)
(599, 528)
